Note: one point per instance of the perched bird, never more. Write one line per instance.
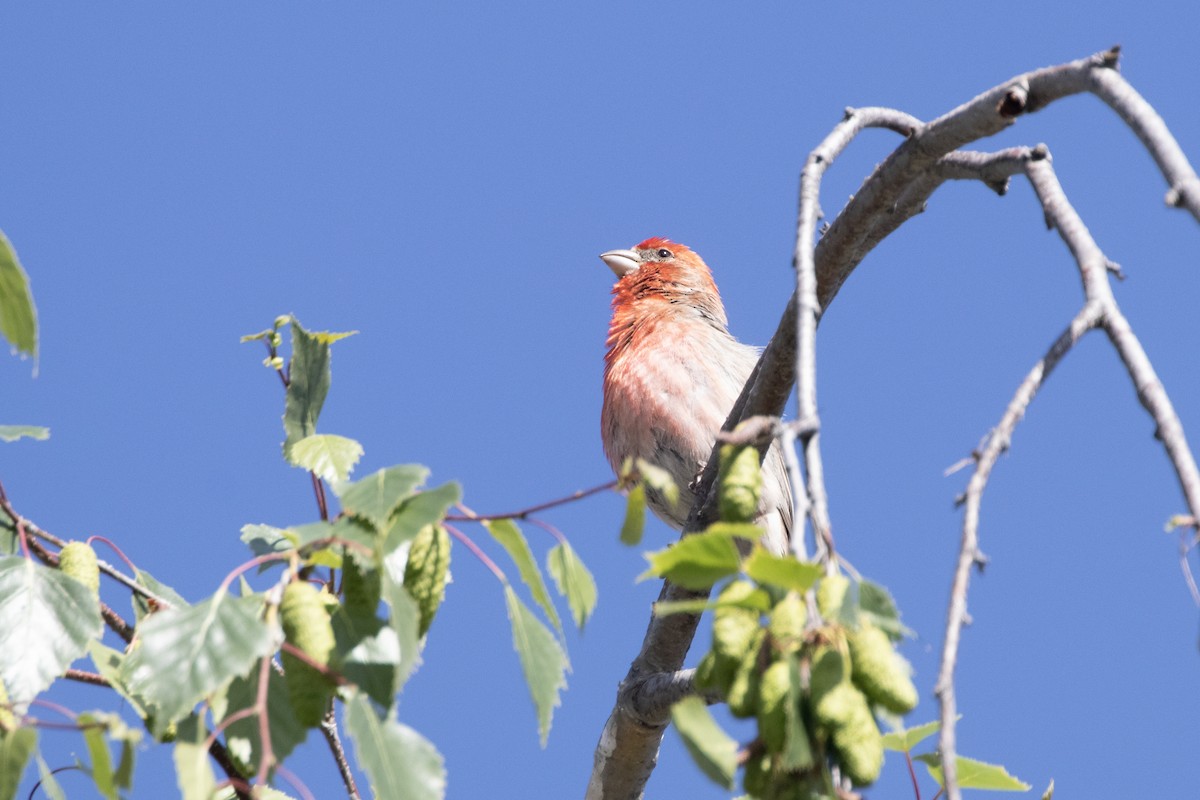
(671, 376)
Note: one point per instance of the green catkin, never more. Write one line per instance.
(773, 694)
(306, 626)
(78, 560)
(743, 692)
(879, 671)
(426, 571)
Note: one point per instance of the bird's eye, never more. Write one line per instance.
(664, 252)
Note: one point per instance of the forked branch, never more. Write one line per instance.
(894, 192)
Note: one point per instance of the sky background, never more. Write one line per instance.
(442, 180)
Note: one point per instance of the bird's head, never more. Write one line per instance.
(658, 274)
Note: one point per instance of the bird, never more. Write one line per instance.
(672, 373)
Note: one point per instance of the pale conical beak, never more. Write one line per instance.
(621, 262)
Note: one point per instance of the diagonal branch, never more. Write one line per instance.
(1100, 310)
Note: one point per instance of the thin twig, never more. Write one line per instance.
(968, 553)
(330, 730)
(523, 513)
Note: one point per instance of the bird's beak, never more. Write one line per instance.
(621, 262)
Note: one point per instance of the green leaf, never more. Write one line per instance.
(329, 555)
(98, 727)
(188, 653)
(635, 516)
(330, 456)
(423, 508)
(710, 747)
(264, 540)
(141, 606)
(695, 562)
(756, 600)
(18, 317)
(308, 383)
(658, 479)
(243, 735)
(16, 746)
(876, 603)
(10, 433)
(573, 581)
(368, 654)
(906, 739)
(379, 494)
(974, 774)
(405, 622)
(797, 755)
(192, 772)
(506, 532)
(49, 784)
(46, 621)
(1049, 793)
(542, 660)
(783, 572)
(399, 762)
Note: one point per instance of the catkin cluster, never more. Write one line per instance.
(812, 684)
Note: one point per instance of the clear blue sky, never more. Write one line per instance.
(442, 180)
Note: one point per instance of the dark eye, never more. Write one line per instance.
(664, 252)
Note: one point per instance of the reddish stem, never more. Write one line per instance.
(524, 513)
(474, 548)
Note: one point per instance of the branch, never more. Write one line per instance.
(969, 554)
(896, 190)
(1100, 310)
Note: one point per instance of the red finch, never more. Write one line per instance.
(671, 376)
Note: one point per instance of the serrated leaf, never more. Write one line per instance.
(713, 750)
(16, 746)
(264, 540)
(142, 606)
(695, 562)
(379, 494)
(18, 316)
(423, 508)
(635, 516)
(188, 653)
(368, 654)
(285, 732)
(46, 621)
(542, 660)
(10, 433)
(97, 728)
(974, 774)
(345, 528)
(308, 384)
(506, 532)
(329, 456)
(405, 621)
(783, 572)
(905, 740)
(573, 581)
(398, 761)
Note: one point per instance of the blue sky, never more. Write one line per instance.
(442, 180)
